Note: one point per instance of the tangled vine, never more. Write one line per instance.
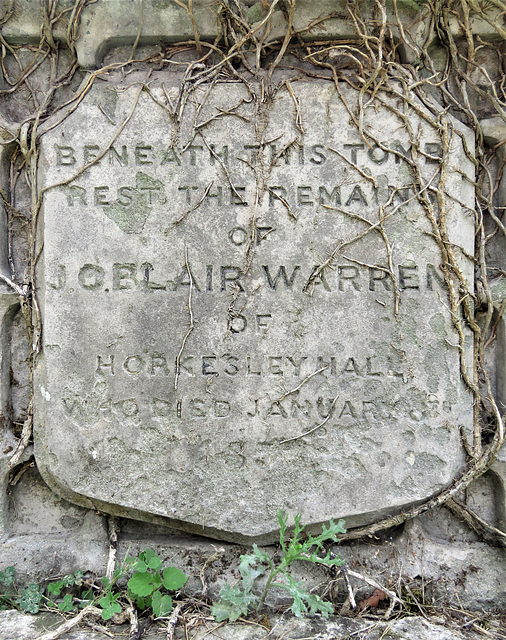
(389, 50)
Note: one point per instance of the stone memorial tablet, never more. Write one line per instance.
(243, 307)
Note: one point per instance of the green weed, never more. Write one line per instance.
(147, 587)
(149, 581)
(239, 600)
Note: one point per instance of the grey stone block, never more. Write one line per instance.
(112, 23)
(44, 535)
(296, 387)
(18, 626)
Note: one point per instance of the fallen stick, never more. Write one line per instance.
(391, 594)
(90, 610)
(351, 597)
(112, 525)
(172, 622)
(98, 627)
(134, 624)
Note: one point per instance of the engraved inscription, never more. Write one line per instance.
(227, 299)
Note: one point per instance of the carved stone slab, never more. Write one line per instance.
(246, 311)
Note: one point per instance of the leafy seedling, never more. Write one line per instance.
(110, 605)
(148, 582)
(67, 604)
(8, 577)
(54, 590)
(147, 587)
(239, 600)
(7, 585)
(30, 599)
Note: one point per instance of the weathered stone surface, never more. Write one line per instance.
(296, 386)
(466, 569)
(406, 629)
(116, 22)
(9, 303)
(44, 535)
(110, 23)
(18, 626)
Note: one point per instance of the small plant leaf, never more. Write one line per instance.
(173, 578)
(110, 605)
(157, 580)
(156, 600)
(87, 595)
(298, 593)
(155, 563)
(161, 604)
(261, 555)
(141, 584)
(250, 569)
(55, 588)
(78, 577)
(142, 603)
(29, 600)
(68, 581)
(328, 534)
(87, 598)
(151, 559)
(282, 520)
(234, 603)
(66, 605)
(225, 611)
(141, 566)
(165, 605)
(118, 572)
(8, 576)
(302, 599)
(316, 604)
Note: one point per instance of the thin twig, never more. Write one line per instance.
(21, 290)
(186, 213)
(225, 170)
(391, 594)
(26, 435)
(139, 31)
(284, 202)
(67, 626)
(112, 525)
(296, 102)
(321, 424)
(135, 632)
(351, 595)
(99, 628)
(191, 325)
(299, 387)
(172, 621)
(486, 531)
(356, 167)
